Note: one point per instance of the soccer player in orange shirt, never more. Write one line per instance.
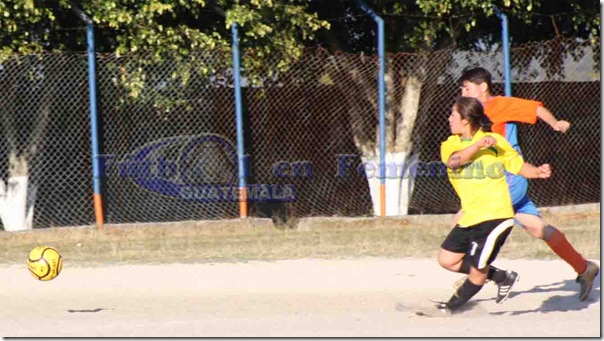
(505, 112)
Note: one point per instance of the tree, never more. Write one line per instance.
(269, 28)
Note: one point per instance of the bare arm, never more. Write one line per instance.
(532, 172)
(464, 156)
(546, 116)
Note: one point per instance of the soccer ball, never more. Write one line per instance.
(45, 263)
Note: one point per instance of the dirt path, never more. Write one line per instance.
(289, 298)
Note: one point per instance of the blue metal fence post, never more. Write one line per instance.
(96, 173)
(505, 41)
(239, 116)
(382, 103)
(94, 138)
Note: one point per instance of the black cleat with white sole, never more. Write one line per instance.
(505, 287)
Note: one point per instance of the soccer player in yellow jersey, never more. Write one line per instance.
(476, 162)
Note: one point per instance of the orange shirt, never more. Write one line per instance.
(510, 109)
(504, 112)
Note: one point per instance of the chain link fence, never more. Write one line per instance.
(168, 133)
(167, 130)
(303, 124)
(46, 138)
(561, 73)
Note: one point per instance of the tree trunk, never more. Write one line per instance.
(18, 194)
(17, 197)
(404, 129)
(404, 80)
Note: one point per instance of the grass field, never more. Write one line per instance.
(257, 239)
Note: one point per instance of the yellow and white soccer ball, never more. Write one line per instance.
(45, 263)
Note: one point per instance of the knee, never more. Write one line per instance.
(541, 231)
(447, 262)
(442, 262)
(537, 230)
(549, 231)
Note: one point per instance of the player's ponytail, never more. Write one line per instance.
(485, 124)
(471, 110)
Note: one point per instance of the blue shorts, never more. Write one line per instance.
(526, 206)
(518, 187)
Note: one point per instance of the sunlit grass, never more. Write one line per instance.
(235, 240)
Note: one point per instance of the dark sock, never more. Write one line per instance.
(465, 266)
(496, 275)
(466, 291)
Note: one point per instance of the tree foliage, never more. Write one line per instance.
(277, 26)
(159, 26)
(413, 25)
(274, 32)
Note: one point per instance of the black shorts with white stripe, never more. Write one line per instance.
(481, 242)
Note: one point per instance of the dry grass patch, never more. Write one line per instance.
(256, 239)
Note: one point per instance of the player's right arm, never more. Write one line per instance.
(514, 109)
(456, 159)
(546, 116)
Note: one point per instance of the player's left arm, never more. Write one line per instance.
(546, 116)
(530, 171)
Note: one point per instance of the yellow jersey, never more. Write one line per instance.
(480, 184)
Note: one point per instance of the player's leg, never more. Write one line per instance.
(485, 243)
(499, 276)
(453, 257)
(554, 238)
(470, 287)
(449, 260)
(528, 217)
(453, 253)
(454, 248)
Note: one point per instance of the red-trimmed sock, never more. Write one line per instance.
(560, 245)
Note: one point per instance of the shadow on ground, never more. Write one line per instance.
(557, 303)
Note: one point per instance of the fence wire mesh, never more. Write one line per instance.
(46, 137)
(302, 124)
(168, 127)
(168, 133)
(561, 73)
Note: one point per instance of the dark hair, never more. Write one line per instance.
(471, 110)
(477, 76)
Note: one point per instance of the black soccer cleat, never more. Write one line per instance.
(586, 280)
(443, 309)
(505, 287)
